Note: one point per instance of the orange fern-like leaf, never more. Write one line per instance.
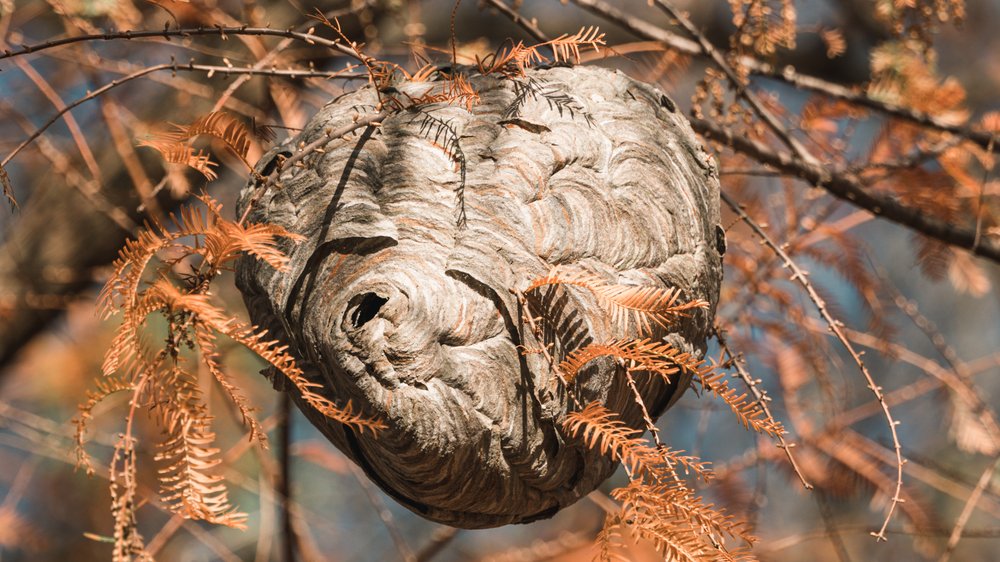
(641, 355)
(205, 339)
(566, 48)
(176, 152)
(610, 539)
(677, 500)
(174, 147)
(275, 354)
(600, 428)
(229, 239)
(187, 486)
(160, 381)
(104, 387)
(271, 351)
(747, 411)
(223, 126)
(121, 292)
(513, 60)
(628, 304)
(222, 241)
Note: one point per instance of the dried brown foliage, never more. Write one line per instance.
(763, 26)
(835, 43)
(17, 533)
(172, 145)
(628, 304)
(657, 505)
(8, 189)
(930, 154)
(162, 380)
(511, 60)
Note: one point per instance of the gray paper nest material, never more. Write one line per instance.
(394, 305)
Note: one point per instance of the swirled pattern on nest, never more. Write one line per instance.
(418, 231)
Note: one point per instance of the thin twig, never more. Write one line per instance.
(603, 501)
(962, 385)
(56, 449)
(910, 161)
(266, 528)
(143, 186)
(835, 326)
(439, 541)
(284, 487)
(789, 75)
(221, 31)
(536, 331)
(180, 84)
(790, 541)
(57, 102)
(642, 28)
(166, 532)
(60, 163)
(847, 186)
(174, 67)
(650, 424)
(970, 506)
(754, 172)
(384, 515)
(274, 52)
(738, 84)
(957, 379)
(558, 548)
(982, 194)
(928, 475)
(762, 400)
(372, 120)
(305, 547)
(831, 530)
(528, 25)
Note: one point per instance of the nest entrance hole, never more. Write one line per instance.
(367, 308)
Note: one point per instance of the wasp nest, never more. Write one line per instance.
(420, 233)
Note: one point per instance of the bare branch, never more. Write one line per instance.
(836, 327)
(167, 34)
(174, 67)
(644, 29)
(970, 506)
(847, 186)
(762, 400)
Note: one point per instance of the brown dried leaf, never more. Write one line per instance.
(176, 152)
(628, 304)
(222, 126)
(967, 276)
(835, 43)
(17, 533)
(601, 429)
(8, 189)
(991, 122)
(967, 431)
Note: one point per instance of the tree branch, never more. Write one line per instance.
(221, 31)
(644, 29)
(847, 186)
(762, 399)
(837, 328)
(738, 84)
(174, 67)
